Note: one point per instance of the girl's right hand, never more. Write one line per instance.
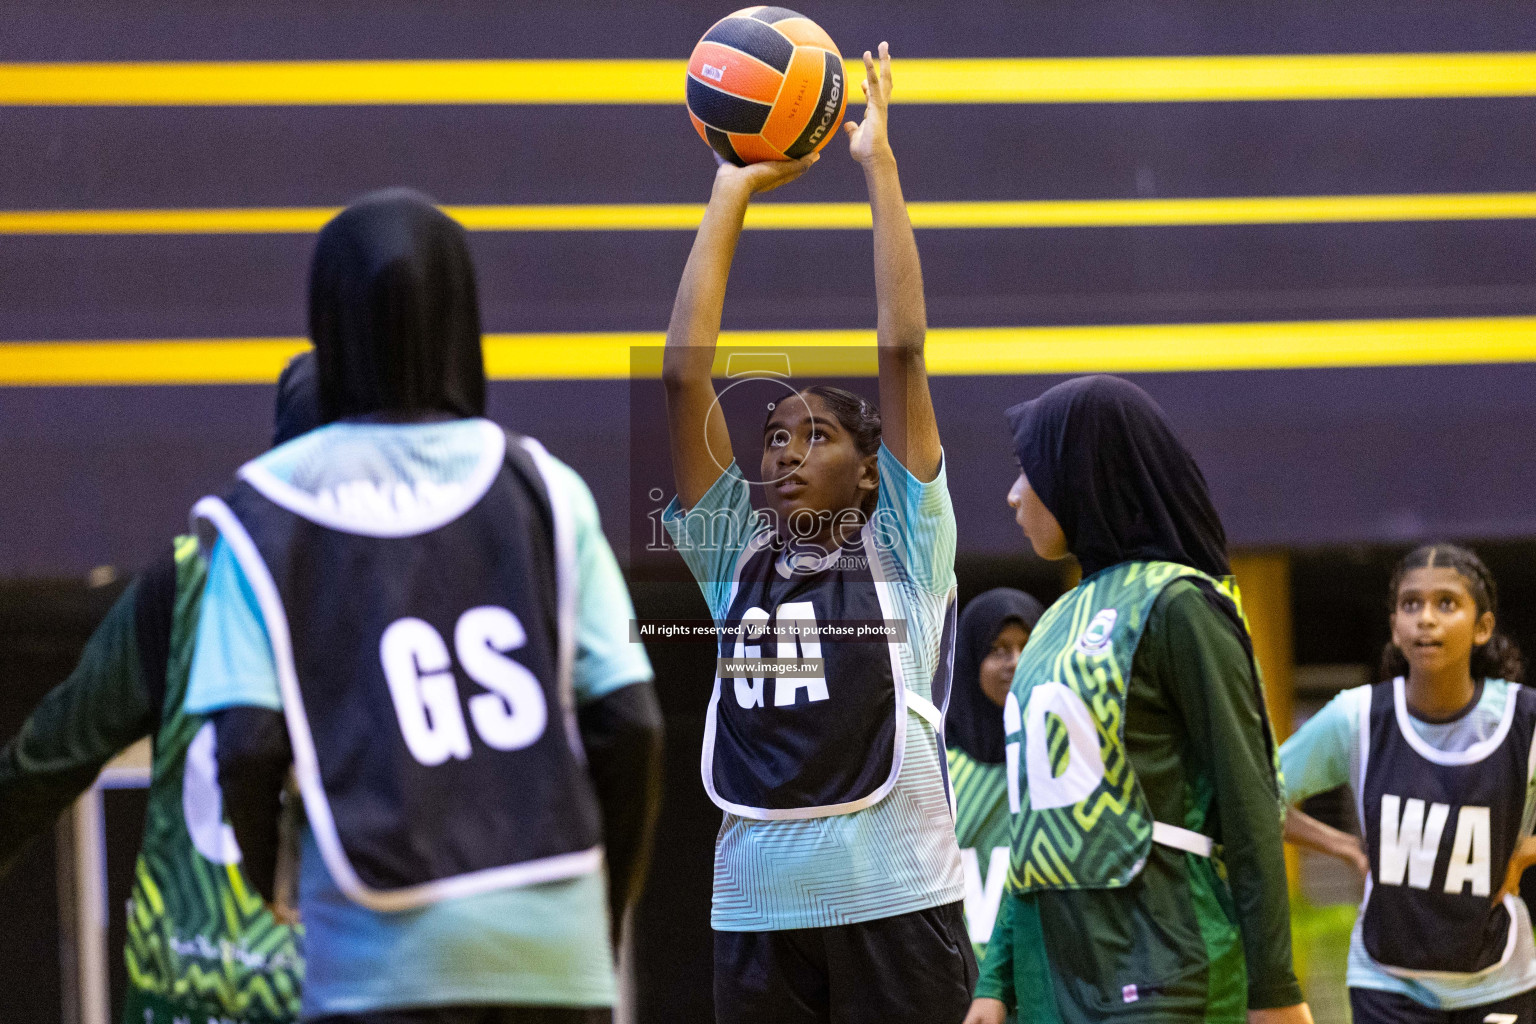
(1355, 854)
(1304, 830)
(755, 179)
(987, 1011)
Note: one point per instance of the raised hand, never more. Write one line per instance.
(755, 179)
(868, 141)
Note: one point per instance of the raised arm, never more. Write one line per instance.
(910, 430)
(695, 423)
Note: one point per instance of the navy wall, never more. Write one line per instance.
(93, 476)
(1294, 457)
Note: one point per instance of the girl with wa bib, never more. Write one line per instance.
(1146, 879)
(838, 890)
(1440, 759)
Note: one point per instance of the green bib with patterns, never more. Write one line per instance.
(981, 829)
(1080, 819)
(200, 941)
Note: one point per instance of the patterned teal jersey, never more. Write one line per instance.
(981, 828)
(1082, 820)
(201, 943)
(899, 855)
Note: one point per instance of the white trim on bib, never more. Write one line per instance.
(302, 503)
(906, 701)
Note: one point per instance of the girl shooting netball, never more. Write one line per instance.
(837, 878)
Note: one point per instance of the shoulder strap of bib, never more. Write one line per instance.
(535, 465)
(925, 709)
(1188, 840)
(1221, 593)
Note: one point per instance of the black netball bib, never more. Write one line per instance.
(829, 738)
(1440, 828)
(423, 642)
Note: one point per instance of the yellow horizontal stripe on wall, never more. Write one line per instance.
(1054, 213)
(918, 80)
(951, 351)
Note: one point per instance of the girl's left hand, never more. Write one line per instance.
(986, 1011)
(1523, 857)
(868, 142)
(1298, 1014)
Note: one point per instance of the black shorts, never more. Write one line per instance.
(914, 968)
(474, 1015)
(1369, 1006)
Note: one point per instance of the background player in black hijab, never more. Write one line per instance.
(1166, 937)
(993, 630)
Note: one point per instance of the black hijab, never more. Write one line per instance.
(298, 400)
(393, 312)
(974, 723)
(1105, 462)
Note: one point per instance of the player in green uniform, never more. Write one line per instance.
(201, 943)
(993, 630)
(1146, 881)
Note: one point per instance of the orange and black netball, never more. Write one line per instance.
(766, 83)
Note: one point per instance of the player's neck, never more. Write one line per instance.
(1440, 695)
(831, 537)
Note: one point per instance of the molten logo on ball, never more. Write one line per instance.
(831, 109)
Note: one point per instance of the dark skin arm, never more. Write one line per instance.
(1304, 830)
(909, 428)
(695, 424)
(1524, 857)
(622, 733)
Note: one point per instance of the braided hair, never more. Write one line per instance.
(1500, 657)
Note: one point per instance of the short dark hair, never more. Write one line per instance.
(1500, 657)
